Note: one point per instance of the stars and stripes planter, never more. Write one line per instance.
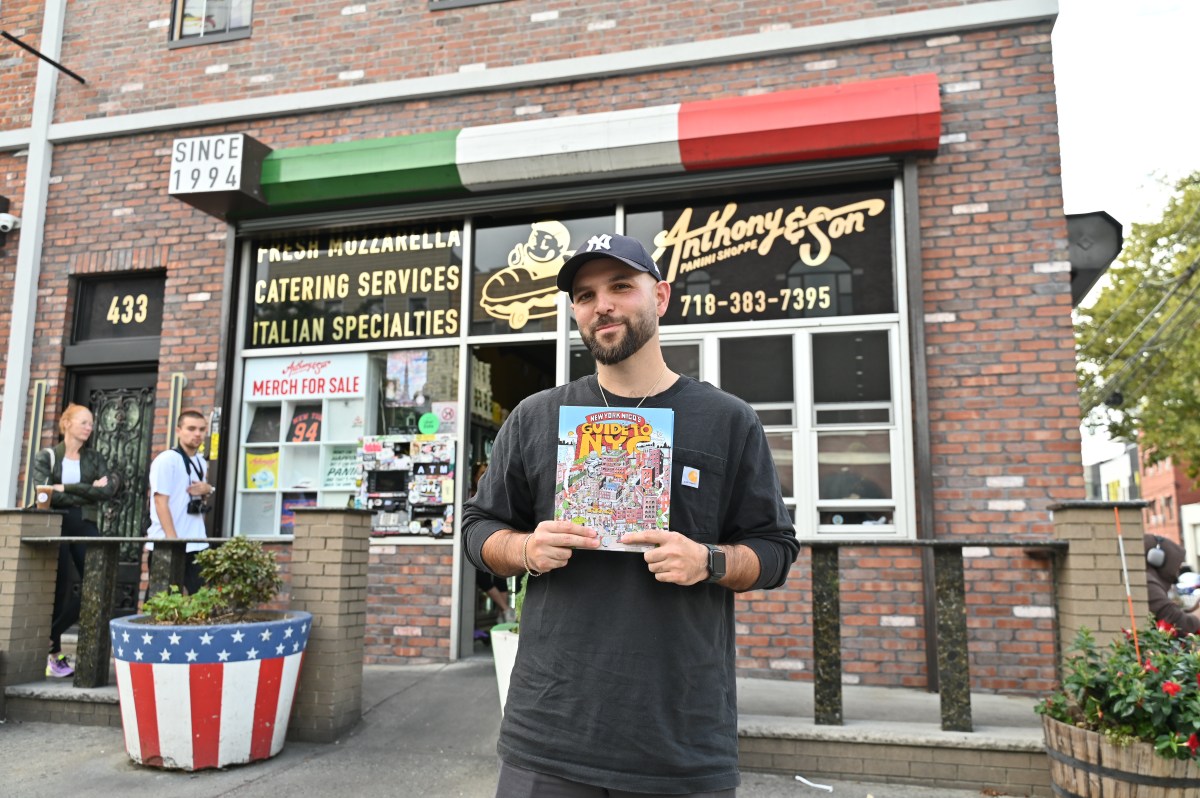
(195, 697)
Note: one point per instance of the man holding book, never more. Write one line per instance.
(625, 673)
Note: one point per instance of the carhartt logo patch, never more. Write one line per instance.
(599, 242)
(691, 477)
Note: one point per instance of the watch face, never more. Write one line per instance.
(716, 563)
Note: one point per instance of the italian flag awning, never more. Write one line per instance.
(878, 117)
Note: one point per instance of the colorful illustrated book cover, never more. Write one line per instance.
(614, 470)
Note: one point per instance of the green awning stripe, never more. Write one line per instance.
(396, 167)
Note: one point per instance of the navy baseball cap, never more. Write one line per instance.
(623, 248)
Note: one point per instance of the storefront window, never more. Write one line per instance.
(314, 430)
(387, 302)
(516, 266)
(416, 382)
(350, 288)
(743, 258)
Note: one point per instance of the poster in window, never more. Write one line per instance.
(407, 375)
(342, 471)
(262, 469)
(287, 518)
(305, 426)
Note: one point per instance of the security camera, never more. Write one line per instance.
(8, 223)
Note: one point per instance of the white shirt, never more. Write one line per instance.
(70, 471)
(169, 476)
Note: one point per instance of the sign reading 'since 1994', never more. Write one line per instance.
(354, 288)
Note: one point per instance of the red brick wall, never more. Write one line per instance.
(1162, 482)
(18, 67)
(408, 609)
(307, 46)
(1003, 410)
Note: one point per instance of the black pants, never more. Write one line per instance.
(70, 558)
(517, 782)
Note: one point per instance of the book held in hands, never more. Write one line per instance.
(614, 470)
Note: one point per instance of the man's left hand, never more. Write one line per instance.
(675, 558)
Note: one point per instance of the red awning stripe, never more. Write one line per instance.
(892, 115)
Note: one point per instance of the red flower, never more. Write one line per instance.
(1194, 743)
(1171, 688)
(1150, 668)
(1164, 626)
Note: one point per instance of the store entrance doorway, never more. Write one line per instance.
(122, 404)
(500, 377)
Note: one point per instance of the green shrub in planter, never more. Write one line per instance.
(240, 575)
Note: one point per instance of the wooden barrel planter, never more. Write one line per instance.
(1083, 764)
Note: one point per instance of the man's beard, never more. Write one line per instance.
(638, 330)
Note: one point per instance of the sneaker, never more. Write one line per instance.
(58, 666)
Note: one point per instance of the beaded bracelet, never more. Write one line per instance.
(525, 557)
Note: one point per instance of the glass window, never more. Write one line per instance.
(851, 367)
(119, 308)
(758, 370)
(516, 265)
(854, 465)
(854, 420)
(416, 382)
(739, 257)
(212, 20)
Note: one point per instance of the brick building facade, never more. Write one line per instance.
(981, 435)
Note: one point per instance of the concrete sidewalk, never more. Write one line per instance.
(427, 731)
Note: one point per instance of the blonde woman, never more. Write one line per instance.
(81, 482)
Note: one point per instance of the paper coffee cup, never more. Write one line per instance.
(43, 496)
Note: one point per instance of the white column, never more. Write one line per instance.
(29, 254)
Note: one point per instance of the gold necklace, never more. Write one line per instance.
(644, 398)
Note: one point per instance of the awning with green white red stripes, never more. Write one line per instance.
(877, 117)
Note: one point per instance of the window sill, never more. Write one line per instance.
(213, 38)
(439, 5)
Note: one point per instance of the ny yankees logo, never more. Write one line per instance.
(599, 242)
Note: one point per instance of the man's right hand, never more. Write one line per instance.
(551, 543)
(549, 546)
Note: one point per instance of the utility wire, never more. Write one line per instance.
(1179, 283)
(1184, 327)
(1182, 232)
(1133, 363)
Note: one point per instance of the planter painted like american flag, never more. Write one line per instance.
(195, 697)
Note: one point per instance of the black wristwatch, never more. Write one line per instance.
(716, 563)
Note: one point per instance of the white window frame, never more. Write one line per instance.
(180, 39)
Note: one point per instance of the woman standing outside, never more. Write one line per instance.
(81, 482)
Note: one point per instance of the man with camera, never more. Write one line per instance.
(180, 494)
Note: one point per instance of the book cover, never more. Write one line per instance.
(614, 470)
(262, 469)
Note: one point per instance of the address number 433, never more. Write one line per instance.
(128, 308)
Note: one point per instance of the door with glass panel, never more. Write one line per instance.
(855, 432)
